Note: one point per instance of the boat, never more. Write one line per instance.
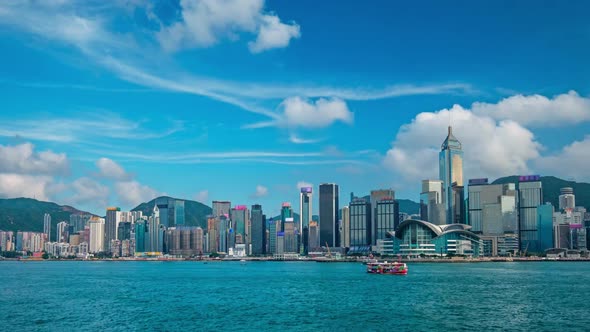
(387, 268)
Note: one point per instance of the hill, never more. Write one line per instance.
(26, 214)
(551, 186)
(408, 206)
(195, 213)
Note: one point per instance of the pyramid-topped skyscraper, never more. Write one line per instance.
(451, 174)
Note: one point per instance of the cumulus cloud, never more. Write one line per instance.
(19, 185)
(133, 193)
(491, 148)
(202, 196)
(89, 192)
(204, 22)
(300, 112)
(261, 191)
(22, 159)
(537, 110)
(274, 34)
(111, 170)
(571, 161)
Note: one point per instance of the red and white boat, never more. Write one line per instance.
(387, 268)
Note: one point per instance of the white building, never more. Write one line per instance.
(96, 235)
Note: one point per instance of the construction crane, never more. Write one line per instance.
(329, 252)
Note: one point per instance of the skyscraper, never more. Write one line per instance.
(432, 208)
(110, 227)
(305, 213)
(360, 224)
(345, 213)
(329, 193)
(96, 235)
(567, 199)
(451, 174)
(62, 232)
(530, 196)
(221, 208)
(286, 212)
(258, 230)
(240, 221)
(376, 196)
(140, 235)
(386, 217)
(47, 226)
(179, 215)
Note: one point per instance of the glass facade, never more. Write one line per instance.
(329, 215)
(451, 174)
(545, 226)
(530, 196)
(258, 230)
(360, 223)
(179, 215)
(386, 218)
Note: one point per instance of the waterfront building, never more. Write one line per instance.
(280, 243)
(314, 236)
(289, 236)
(258, 237)
(96, 227)
(47, 226)
(417, 237)
(126, 248)
(124, 231)
(545, 226)
(212, 234)
(110, 228)
(345, 214)
(240, 221)
(272, 235)
(185, 241)
(224, 228)
(386, 216)
(360, 224)
(569, 230)
(328, 210)
(286, 212)
(156, 231)
(567, 199)
(432, 208)
(530, 196)
(79, 221)
(221, 208)
(62, 232)
(165, 207)
(451, 175)
(305, 215)
(179, 215)
(492, 215)
(140, 235)
(375, 197)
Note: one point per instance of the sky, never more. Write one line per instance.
(114, 103)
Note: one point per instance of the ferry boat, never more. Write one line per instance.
(387, 268)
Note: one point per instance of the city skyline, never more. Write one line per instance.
(225, 110)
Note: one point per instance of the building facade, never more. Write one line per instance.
(451, 175)
(328, 210)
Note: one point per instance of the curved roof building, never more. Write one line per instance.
(417, 237)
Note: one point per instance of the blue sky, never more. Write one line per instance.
(112, 104)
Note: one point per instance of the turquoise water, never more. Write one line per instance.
(304, 296)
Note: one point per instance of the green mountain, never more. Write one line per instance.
(551, 186)
(195, 213)
(26, 214)
(408, 206)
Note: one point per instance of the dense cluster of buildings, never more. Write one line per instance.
(477, 218)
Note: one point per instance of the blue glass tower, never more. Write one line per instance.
(451, 174)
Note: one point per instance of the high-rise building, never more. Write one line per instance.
(273, 228)
(124, 231)
(47, 226)
(62, 232)
(213, 233)
(97, 236)
(314, 236)
(221, 208)
(305, 215)
(545, 226)
(223, 230)
(328, 211)
(258, 237)
(567, 199)
(345, 214)
(179, 215)
(386, 217)
(290, 236)
(451, 174)
(360, 223)
(111, 224)
(155, 232)
(530, 196)
(140, 235)
(240, 222)
(432, 208)
(376, 196)
(79, 221)
(286, 212)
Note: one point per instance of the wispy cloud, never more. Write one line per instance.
(298, 140)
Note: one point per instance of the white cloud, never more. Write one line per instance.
(491, 148)
(261, 191)
(88, 192)
(274, 34)
(111, 170)
(303, 184)
(293, 138)
(23, 159)
(299, 112)
(205, 22)
(537, 110)
(133, 193)
(571, 162)
(202, 196)
(18, 185)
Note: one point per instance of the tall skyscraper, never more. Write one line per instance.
(96, 235)
(240, 221)
(432, 208)
(273, 229)
(179, 215)
(305, 214)
(545, 226)
(124, 231)
(286, 212)
(345, 214)
(289, 236)
(360, 224)
(213, 233)
(386, 217)
(223, 229)
(451, 174)
(47, 226)
(155, 232)
(140, 235)
(221, 208)
(376, 196)
(329, 193)
(567, 199)
(258, 230)
(62, 232)
(530, 196)
(110, 227)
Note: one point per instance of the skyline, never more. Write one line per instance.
(116, 104)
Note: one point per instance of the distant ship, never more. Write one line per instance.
(387, 268)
